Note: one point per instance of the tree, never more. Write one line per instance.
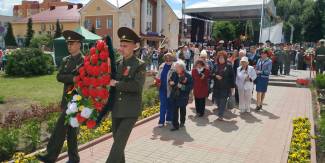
(93, 29)
(30, 32)
(10, 38)
(58, 31)
(224, 30)
(39, 41)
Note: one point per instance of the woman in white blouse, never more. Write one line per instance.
(245, 76)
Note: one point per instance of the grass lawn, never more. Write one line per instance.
(42, 89)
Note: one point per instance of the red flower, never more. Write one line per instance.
(103, 93)
(85, 91)
(87, 58)
(82, 70)
(94, 59)
(92, 50)
(99, 106)
(77, 79)
(80, 118)
(86, 81)
(104, 67)
(96, 70)
(80, 84)
(95, 82)
(100, 45)
(106, 79)
(93, 93)
(103, 55)
(91, 124)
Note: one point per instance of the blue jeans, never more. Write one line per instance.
(221, 103)
(155, 64)
(165, 108)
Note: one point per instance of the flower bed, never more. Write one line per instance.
(300, 142)
(86, 134)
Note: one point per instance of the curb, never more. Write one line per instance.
(105, 137)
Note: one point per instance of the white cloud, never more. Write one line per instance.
(177, 1)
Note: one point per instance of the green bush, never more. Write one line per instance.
(51, 121)
(2, 100)
(29, 62)
(149, 97)
(32, 133)
(321, 137)
(320, 81)
(8, 142)
(39, 41)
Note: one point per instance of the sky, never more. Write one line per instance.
(7, 5)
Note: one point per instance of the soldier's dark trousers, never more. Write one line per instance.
(62, 131)
(286, 68)
(121, 128)
(176, 111)
(320, 66)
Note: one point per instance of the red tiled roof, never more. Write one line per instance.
(62, 13)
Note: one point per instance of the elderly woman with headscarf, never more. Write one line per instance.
(263, 71)
(162, 77)
(181, 86)
(245, 76)
(224, 82)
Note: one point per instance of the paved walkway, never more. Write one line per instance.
(259, 137)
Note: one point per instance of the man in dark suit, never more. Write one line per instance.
(130, 78)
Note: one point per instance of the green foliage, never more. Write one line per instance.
(29, 62)
(39, 41)
(321, 136)
(58, 30)
(10, 38)
(51, 121)
(149, 97)
(224, 30)
(32, 133)
(2, 99)
(30, 32)
(8, 142)
(320, 81)
(305, 16)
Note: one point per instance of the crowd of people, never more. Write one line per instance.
(228, 73)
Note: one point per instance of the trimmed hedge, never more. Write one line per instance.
(29, 62)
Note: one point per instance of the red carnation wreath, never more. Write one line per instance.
(91, 88)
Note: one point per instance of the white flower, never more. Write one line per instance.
(86, 112)
(74, 122)
(72, 108)
(75, 97)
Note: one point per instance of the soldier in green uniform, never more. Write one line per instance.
(62, 131)
(320, 57)
(130, 78)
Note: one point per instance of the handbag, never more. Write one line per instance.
(231, 102)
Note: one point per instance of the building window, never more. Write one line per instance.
(169, 27)
(43, 27)
(109, 24)
(133, 22)
(49, 32)
(87, 24)
(98, 23)
(98, 8)
(39, 32)
(149, 8)
(61, 27)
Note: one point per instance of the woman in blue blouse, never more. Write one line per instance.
(263, 71)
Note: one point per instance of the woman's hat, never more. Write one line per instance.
(244, 59)
(203, 53)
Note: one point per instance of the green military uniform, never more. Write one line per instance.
(128, 99)
(320, 57)
(66, 73)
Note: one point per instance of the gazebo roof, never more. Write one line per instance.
(230, 9)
